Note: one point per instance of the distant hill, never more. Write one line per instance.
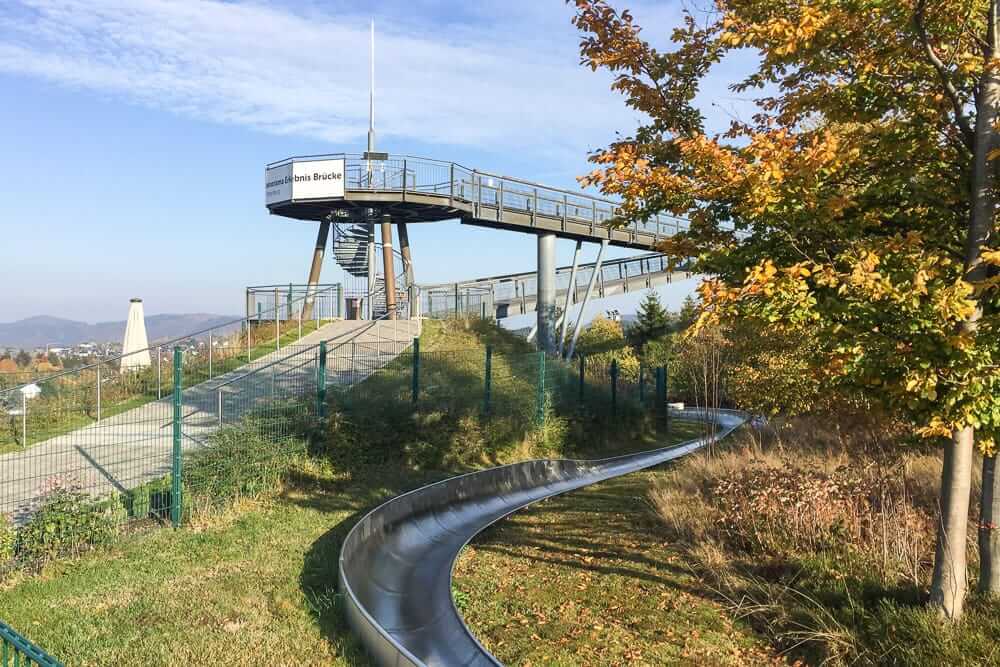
(43, 330)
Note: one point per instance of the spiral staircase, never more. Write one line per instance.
(350, 252)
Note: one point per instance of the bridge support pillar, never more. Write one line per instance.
(372, 272)
(388, 268)
(545, 304)
(404, 250)
(316, 268)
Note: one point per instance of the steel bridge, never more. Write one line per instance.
(369, 191)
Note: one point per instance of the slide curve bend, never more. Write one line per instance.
(396, 563)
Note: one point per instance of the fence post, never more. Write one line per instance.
(321, 381)
(277, 322)
(488, 382)
(614, 387)
(288, 299)
(98, 390)
(211, 352)
(159, 373)
(540, 398)
(175, 470)
(24, 419)
(416, 370)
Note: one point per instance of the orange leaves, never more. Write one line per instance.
(781, 35)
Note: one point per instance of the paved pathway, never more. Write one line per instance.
(128, 449)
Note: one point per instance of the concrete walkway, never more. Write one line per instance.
(133, 447)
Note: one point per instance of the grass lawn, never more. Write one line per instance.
(587, 578)
(593, 584)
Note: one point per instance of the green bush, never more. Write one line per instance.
(241, 461)
(67, 521)
(8, 540)
(150, 500)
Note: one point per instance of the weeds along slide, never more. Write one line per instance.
(396, 564)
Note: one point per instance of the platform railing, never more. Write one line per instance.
(490, 194)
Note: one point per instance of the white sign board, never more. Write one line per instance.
(317, 179)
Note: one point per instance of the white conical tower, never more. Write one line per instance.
(135, 346)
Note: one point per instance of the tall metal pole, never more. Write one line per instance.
(586, 298)
(389, 278)
(569, 296)
(545, 299)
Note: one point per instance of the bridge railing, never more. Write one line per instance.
(484, 189)
(480, 298)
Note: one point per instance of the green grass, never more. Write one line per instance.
(255, 583)
(588, 579)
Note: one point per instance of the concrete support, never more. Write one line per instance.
(372, 273)
(570, 288)
(586, 299)
(388, 268)
(545, 299)
(316, 268)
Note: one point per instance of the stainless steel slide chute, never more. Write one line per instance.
(396, 563)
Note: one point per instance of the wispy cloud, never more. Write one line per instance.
(487, 79)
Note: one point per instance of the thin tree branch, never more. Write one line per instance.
(961, 119)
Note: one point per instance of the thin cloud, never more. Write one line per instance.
(489, 85)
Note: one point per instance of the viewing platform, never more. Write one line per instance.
(342, 187)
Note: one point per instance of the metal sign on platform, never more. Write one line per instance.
(296, 181)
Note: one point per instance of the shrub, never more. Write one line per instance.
(241, 461)
(67, 521)
(8, 539)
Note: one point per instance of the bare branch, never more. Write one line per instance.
(961, 119)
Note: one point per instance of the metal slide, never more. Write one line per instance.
(396, 563)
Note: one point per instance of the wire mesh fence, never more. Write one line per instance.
(17, 651)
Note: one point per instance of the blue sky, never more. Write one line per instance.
(134, 134)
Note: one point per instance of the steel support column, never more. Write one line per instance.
(586, 299)
(389, 278)
(372, 273)
(316, 268)
(545, 298)
(404, 250)
(569, 296)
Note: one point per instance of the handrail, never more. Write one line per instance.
(102, 362)
(477, 172)
(14, 647)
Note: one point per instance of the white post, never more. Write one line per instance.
(220, 408)
(159, 373)
(211, 347)
(98, 391)
(24, 419)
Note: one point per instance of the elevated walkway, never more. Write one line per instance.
(416, 190)
(517, 293)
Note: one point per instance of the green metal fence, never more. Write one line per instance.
(17, 651)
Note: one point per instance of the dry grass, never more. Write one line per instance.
(818, 535)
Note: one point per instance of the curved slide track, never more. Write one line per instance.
(396, 563)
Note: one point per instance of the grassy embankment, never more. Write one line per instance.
(596, 582)
(822, 538)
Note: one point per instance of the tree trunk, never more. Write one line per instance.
(950, 577)
(984, 177)
(989, 537)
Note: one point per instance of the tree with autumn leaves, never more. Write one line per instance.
(857, 205)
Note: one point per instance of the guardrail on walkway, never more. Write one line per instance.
(18, 651)
(482, 189)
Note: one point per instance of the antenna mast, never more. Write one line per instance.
(371, 95)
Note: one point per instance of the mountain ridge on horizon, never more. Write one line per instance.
(41, 330)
